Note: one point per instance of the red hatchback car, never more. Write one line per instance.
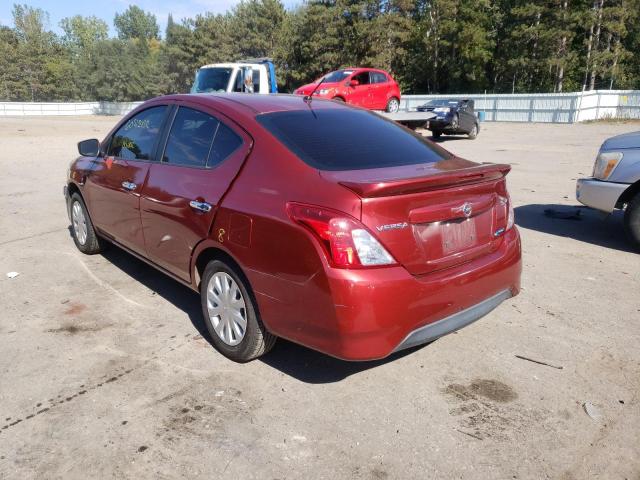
(362, 87)
(320, 223)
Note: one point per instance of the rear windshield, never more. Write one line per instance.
(347, 139)
(442, 103)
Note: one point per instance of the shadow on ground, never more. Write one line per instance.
(294, 360)
(448, 138)
(310, 366)
(577, 222)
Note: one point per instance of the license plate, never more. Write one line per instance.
(458, 236)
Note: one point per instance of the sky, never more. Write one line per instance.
(106, 9)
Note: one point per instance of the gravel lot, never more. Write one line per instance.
(104, 372)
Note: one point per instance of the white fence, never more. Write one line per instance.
(546, 107)
(542, 107)
(66, 108)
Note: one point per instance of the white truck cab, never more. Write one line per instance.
(249, 76)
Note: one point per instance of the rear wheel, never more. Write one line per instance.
(632, 221)
(231, 315)
(393, 105)
(83, 233)
(474, 131)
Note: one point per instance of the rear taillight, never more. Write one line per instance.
(511, 216)
(506, 203)
(346, 241)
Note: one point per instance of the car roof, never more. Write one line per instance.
(451, 100)
(363, 68)
(231, 65)
(254, 104)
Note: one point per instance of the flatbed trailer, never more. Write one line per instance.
(412, 120)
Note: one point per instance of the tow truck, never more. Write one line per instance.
(255, 75)
(258, 75)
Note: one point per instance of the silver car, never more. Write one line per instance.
(615, 182)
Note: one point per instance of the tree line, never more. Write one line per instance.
(429, 46)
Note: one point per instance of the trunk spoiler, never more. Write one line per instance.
(478, 174)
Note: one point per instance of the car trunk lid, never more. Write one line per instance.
(433, 216)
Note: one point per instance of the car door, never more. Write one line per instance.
(202, 154)
(114, 185)
(378, 91)
(466, 118)
(360, 94)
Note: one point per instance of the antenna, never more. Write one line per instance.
(308, 98)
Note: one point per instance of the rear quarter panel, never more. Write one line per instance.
(283, 262)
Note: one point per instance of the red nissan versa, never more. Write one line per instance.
(363, 87)
(321, 223)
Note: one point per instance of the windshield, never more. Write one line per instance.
(359, 139)
(211, 80)
(442, 103)
(336, 76)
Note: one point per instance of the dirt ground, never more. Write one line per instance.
(104, 372)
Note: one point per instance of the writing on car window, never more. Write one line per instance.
(136, 138)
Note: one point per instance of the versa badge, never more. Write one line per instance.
(392, 226)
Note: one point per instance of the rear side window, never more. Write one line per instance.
(378, 77)
(136, 139)
(347, 139)
(198, 139)
(225, 143)
(190, 139)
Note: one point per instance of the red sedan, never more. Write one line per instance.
(317, 222)
(363, 87)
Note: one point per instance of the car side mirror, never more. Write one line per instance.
(89, 148)
(354, 83)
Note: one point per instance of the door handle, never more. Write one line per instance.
(201, 206)
(129, 185)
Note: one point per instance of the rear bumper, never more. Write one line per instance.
(454, 322)
(599, 194)
(368, 314)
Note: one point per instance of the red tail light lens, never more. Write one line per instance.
(511, 219)
(346, 241)
(510, 214)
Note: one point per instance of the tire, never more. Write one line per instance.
(473, 134)
(436, 133)
(338, 99)
(632, 221)
(82, 231)
(227, 304)
(393, 105)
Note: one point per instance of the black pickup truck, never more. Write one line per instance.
(452, 117)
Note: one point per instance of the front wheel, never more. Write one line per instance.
(632, 221)
(231, 315)
(84, 235)
(474, 131)
(436, 133)
(338, 99)
(393, 105)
